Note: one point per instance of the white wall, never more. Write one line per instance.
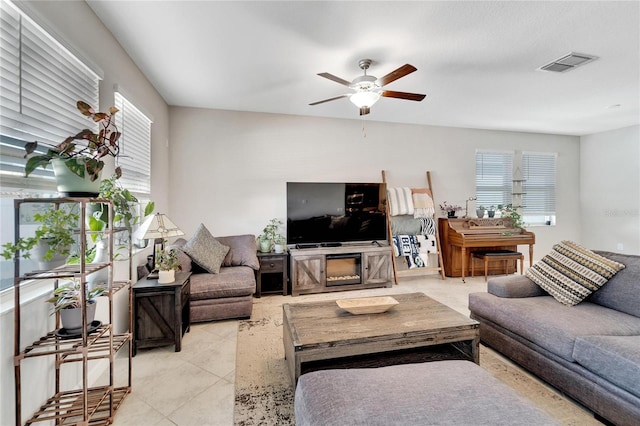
(229, 169)
(610, 190)
(77, 26)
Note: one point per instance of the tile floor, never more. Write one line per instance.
(196, 385)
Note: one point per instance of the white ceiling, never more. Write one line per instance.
(477, 61)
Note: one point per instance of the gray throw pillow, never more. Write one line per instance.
(205, 250)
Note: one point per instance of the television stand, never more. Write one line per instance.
(356, 266)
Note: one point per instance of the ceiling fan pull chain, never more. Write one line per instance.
(364, 132)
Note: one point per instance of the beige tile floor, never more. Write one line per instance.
(196, 385)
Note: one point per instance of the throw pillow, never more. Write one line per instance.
(570, 272)
(205, 250)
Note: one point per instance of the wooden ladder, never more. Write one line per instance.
(415, 271)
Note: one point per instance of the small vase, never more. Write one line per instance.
(165, 277)
(480, 213)
(100, 277)
(491, 213)
(451, 215)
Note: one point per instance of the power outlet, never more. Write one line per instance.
(620, 247)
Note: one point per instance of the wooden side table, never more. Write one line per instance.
(161, 312)
(272, 276)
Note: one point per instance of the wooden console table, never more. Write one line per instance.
(161, 312)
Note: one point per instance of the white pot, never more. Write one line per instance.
(39, 251)
(72, 185)
(102, 276)
(72, 318)
(278, 248)
(165, 277)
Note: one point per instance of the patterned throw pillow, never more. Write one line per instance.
(205, 250)
(570, 273)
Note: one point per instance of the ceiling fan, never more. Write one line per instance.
(368, 89)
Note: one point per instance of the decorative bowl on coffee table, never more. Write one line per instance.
(367, 305)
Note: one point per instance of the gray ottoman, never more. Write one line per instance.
(431, 393)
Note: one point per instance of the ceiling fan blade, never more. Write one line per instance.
(403, 95)
(336, 79)
(328, 100)
(394, 75)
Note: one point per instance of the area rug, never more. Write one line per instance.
(264, 394)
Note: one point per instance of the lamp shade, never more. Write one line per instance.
(157, 226)
(364, 98)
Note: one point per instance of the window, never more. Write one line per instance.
(135, 146)
(40, 83)
(494, 171)
(539, 187)
(525, 179)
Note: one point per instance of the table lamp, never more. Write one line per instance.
(158, 227)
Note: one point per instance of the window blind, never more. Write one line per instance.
(40, 83)
(135, 146)
(539, 186)
(494, 176)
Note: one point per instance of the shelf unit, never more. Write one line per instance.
(399, 269)
(82, 405)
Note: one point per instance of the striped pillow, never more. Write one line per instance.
(400, 201)
(570, 273)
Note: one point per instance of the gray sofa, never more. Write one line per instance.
(229, 293)
(590, 351)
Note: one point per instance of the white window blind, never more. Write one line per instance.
(494, 178)
(539, 186)
(40, 83)
(135, 146)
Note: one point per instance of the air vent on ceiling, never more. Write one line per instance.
(568, 62)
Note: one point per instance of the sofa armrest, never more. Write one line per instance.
(514, 286)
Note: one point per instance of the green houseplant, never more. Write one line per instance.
(67, 300)
(511, 212)
(81, 154)
(168, 263)
(270, 234)
(52, 240)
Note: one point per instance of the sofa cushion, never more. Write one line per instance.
(242, 251)
(614, 358)
(621, 292)
(570, 272)
(205, 250)
(514, 286)
(551, 325)
(230, 282)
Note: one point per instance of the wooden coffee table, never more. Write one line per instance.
(320, 335)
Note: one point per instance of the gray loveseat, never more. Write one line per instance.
(229, 293)
(590, 351)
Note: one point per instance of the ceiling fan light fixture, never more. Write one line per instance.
(364, 99)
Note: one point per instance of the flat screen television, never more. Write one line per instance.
(331, 213)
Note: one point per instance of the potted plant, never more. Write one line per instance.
(78, 165)
(52, 241)
(270, 233)
(511, 212)
(168, 263)
(67, 300)
(492, 211)
(480, 211)
(450, 209)
(278, 243)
